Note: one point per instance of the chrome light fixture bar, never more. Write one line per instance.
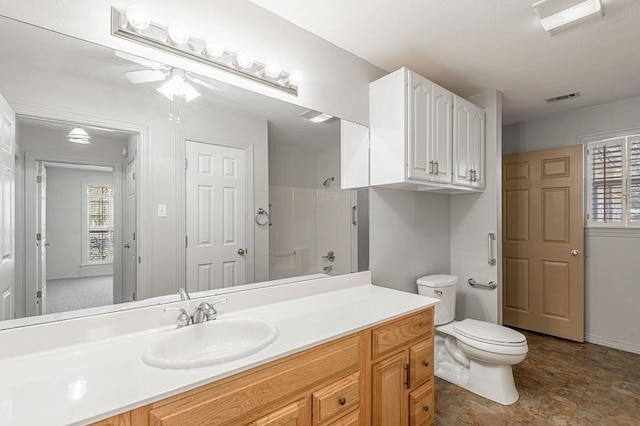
(133, 24)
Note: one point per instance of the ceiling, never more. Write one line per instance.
(36, 46)
(473, 46)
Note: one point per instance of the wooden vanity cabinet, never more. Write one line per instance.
(381, 376)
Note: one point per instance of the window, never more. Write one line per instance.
(99, 233)
(613, 182)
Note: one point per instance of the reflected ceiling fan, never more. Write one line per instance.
(176, 81)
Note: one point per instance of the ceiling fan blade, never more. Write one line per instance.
(205, 84)
(144, 76)
(139, 60)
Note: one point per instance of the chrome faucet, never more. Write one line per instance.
(184, 294)
(204, 312)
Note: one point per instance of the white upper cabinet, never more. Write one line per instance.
(354, 155)
(413, 125)
(468, 144)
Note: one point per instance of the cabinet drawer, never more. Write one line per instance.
(336, 399)
(352, 419)
(398, 334)
(421, 363)
(422, 406)
(245, 395)
(295, 414)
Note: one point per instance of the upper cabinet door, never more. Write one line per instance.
(468, 144)
(420, 127)
(442, 134)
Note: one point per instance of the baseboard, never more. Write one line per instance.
(613, 343)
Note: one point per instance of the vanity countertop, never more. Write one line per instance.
(89, 381)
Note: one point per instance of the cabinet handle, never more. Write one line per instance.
(342, 400)
(470, 175)
(406, 382)
(431, 167)
(425, 363)
(475, 177)
(436, 164)
(425, 407)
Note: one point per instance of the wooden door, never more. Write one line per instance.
(543, 242)
(420, 128)
(296, 414)
(7, 216)
(216, 184)
(442, 134)
(389, 394)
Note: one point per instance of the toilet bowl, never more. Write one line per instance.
(475, 355)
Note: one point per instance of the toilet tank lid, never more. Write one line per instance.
(438, 280)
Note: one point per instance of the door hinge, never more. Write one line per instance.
(186, 241)
(134, 175)
(38, 237)
(134, 236)
(39, 179)
(39, 294)
(139, 259)
(185, 163)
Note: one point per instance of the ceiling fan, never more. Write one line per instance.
(176, 80)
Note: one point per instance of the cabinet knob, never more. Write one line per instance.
(425, 407)
(342, 400)
(425, 363)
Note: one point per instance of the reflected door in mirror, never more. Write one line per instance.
(7, 221)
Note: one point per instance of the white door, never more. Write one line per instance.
(419, 122)
(216, 191)
(478, 141)
(41, 240)
(468, 144)
(442, 134)
(7, 215)
(130, 253)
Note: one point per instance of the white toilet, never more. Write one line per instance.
(475, 355)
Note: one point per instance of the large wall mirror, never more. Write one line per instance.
(133, 179)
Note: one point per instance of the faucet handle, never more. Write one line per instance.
(209, 310)
(183, 319)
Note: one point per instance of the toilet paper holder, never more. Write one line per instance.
(491, 285)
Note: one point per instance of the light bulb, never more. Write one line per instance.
(295, 78)
(137, 18)
(244, 60)
(178, 33)
(214, 48)
(272, 69)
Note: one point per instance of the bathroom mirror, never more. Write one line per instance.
(133, 179)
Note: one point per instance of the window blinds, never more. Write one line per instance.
(607, 181)
(634, 180)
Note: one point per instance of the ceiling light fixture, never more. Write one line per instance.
(134, 24)
(315, 116)
(79, 135)
(558, 15)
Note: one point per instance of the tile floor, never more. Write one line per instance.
(560, 383)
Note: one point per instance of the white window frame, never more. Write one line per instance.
(85, 228)
(599, 139)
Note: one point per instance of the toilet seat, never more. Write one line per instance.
(490, 337)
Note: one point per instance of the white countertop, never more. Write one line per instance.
(89, 381)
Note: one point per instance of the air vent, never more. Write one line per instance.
(562, 97)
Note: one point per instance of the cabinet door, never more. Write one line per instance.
(442, 134)
(120, 420)
(478, 143)
(422, 406)
(390, 404)
(468, 144)
(420, 128)
(421, 363)
(296, 414)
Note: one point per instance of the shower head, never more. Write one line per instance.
(328, 181)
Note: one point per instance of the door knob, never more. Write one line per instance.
(241, 251)
(575, 253)
(127, 246)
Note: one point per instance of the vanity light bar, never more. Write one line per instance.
(164, 38)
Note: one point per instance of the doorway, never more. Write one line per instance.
(543, 241)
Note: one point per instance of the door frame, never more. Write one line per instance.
(143, 226)
(181, 198)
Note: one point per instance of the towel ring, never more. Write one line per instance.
(262, 217)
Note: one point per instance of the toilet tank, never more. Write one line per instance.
(441, 287)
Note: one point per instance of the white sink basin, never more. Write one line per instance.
(210, 343)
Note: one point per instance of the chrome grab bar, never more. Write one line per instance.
(492, 259)
(491, 285)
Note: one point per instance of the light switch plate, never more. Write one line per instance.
(162, 210)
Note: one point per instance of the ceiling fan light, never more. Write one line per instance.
(190, 93)
(165, 90)
(79, 135)
(137, 18)
(272, 69)
(214, 48)
(178, 34)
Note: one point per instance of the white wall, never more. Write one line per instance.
(329, 166)
(473, 217)
(335, 81)
(22, 84)
(410, 236)
(611, 257)
(64, 221)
